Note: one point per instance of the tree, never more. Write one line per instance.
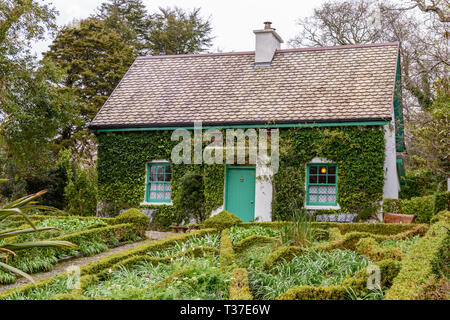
(32, 108)
(175, 31)
(424, 47)
(421, 28)
(95, 58)
(129, 18)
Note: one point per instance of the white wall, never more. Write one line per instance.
(391, 182)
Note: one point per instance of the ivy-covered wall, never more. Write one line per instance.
(121, 165)
(359, 153)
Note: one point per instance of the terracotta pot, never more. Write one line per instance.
(398, 218)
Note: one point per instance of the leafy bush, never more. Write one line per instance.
(135, 217)
(424, 207)
(191, 196)
(223, 220)
(422, 261)
(239, 289)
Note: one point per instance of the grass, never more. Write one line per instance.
(239, 233)
(404, 244)
(209, 240)
(314, 268)
(57, 286)
(199, 279)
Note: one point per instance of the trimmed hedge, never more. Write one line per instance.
(239, 289)
(424, 207)
(370, 248)
(92, 272)
(251, 241)
(152, 246)
(227, 257)
(388, 268)
(422, 261)
(376, 228)
(135, 217)
(281, 255)
(222, 220)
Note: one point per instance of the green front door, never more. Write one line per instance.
(240, 192)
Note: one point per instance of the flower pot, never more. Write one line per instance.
(398, 218)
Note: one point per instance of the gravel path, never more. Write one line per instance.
(61, 267)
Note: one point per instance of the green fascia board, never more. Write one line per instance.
(401, 171)
(260, 126)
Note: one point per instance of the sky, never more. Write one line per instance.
(233, 21)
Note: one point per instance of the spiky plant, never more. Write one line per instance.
(21, 207)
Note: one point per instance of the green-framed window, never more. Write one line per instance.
(321, 184)
(158, 187)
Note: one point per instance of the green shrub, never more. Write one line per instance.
(223, 220)
(442, 202)
(392, 206)
(253, 240)
(424, 207)
(282, 255)
(227, 257)
(191, 196)
(239, 289)
(370, 248)
(135, 217)
(421, 261)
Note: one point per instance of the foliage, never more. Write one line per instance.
(359, 153)
(239, 289)
(300, 232)
(175, 31)
(135, 217)
(130, 19)
(421, 262)
(226, 250)
(222, 220)
(239, 233)
(424, 207)
(316, 269)
(80, 191)
(191, 196)
(21, 207)
(419, 182)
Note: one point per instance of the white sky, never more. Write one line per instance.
(233, 21)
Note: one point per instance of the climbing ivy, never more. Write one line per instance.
(122, 160)
(359, 153)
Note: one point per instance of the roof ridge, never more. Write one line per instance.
(342, 47)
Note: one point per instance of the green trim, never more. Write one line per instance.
(327, 184)
(401, 172)
(398, 110)
(147, 183)
(262, 126)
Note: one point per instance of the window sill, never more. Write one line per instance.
(156, 204)
(338, 207)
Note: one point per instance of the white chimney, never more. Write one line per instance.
(267, 43)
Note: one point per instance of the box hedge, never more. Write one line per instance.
(423, 261)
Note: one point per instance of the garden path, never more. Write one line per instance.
(62, 267)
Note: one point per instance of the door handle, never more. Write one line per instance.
(252, 202)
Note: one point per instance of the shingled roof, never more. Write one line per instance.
(330, 84)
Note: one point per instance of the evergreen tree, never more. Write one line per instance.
(175, 31)
(130, 19)
(95, 58)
